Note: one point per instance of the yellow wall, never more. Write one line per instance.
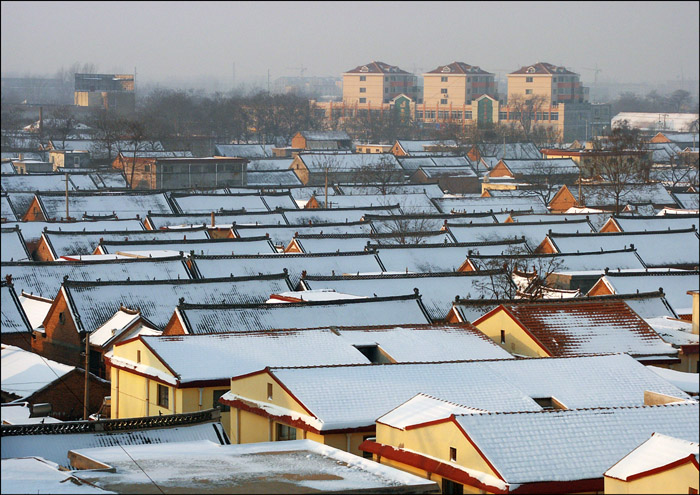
(675, 480)
(541, 85)
(374, 85)
(517, 340)
(456, 86)
(696, 310)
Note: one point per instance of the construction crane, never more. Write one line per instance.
(596, 70)
(301, 69)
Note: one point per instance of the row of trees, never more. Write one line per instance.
(676, 102)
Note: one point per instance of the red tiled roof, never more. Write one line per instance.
(376, 68)
(585, 327)
(542, 68)
(459, 68)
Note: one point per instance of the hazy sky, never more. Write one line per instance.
(629, 41)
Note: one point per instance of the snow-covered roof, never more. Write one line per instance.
(658, 452)
(675, 285)
(332, 243)
(657, 223)
(37, 475)
(417, 146)
(295, 264)
(14, 318)
(120, 321)
(673, 330)
(220, 219)
(44, 279)
(355, 396)
(18, 413)
(596, 438)
(12, 245)
(75, 242)
(31, 231)
(437, 172)
(431, 190)
(469, 205)
(296, 466)
(283, 234)
(269, 164)
(688, 200)
(248, 245)
(687, 382)
(6, 167)
(25, 373)
(603, 195)
(318, 162)
(110, 179)
(271, 178)
(206, 203)
(313, 295)
(512, 151)
(222, 318)
(48, 182)
(575, 327)
(437, 257)
(123, 205)
(422, 408)
(96, 302)
(596, 261)
(335, 215)
(541, 166)
(244, 150)
(533, 233)
(36, 308)
(437, 290)
(7, 212)
(408, 203)
(674, 122)
(657, 249)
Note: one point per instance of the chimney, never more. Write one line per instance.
(212, 219)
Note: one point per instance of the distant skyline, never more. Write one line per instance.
(640, 42)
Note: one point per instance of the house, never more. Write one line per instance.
(28, 377)
(338, 405)
(249, 245)
(438, 289)
(221, 220)
(8, 213)
(49, 206)
(322, 141)
(184, 173)
(272, 178)
(27, 166)
(15, 328)
(511, 151)
(660, 464)
(411, 203)
(55, 244)
(372, 148)
(249, 151)
(331, 243)
(474, 205)
(47, 182)
(404, 147)
(424, 221)
(282, 235)
(682, 139)
(574, 327)
(69, 159)
(190, 319)
(295, 265)
(561, 170)
(453, 179)
(688, 200)
(602, 196)
(430, 190)
(470, 451)
(298, 466)
(314, 169)
(680, 247)
(80, 308)
(13, 246)
(249, 202)
(627, 223)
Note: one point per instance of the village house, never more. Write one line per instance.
(455, 180)
(15, 328)
(638, 223)
(322, 141)
(250, 201)
(338, 405)
(282, 235)
(495, 205)
(405, 147)
(316, 168)
(222, 221)
(660, 464)
(248, 245)
(602, 196)
(330, 243)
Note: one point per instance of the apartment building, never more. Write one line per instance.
(457, 84)
(376, 83)
(108, 91)
(554, 84)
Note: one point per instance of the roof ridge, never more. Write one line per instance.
(91, 262)
(336, 302)
(654, 273)
(350, 276)
(279, 255)
(68, 283)
(681, 403)
(552, 255)
(451, 244)
(232, 240)
(505, 302)
(644, 232)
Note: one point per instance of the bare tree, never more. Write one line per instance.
(62, 124)
(525, 110)
(545, 179)
(109, 130)
(137, 139)
(407, 229)
(381, 177)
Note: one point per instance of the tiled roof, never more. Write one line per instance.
(575, 327)
(270, 178)
(326, 135)
(47, 182)
(335, 215)
(474, 205)
(688, 201)
(376, 68)
(123, 205)
(206, 203)
(593, 261)
(24, 372)
(12, 244)
(244, 150)
(31, 231)
(96, 302)
(249, 245)
(331, 243)
(512, 151)
(581, 444)
(656, 223)
(318, 162)
(295, 264)
(458, 68)
(543, 68)
(397, 310)
(13, 318)
(159, 221)
(45, 278)
(408, 203)
(283, 234)
(431, 190)
(7, 211)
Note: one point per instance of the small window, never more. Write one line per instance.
(528, 91)
(363, 78)
(269, 391)
(363, 100)
(453, 454)
(147, 168)
(163, 396)
(443, 90)
(386, 90)
(138, 356)
(61, 317)
(216, 403)
(443, 79)
(528, 79)
(443, 101)
(503, 336)
(363, 90)
(285, 433)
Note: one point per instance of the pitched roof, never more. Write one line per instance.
(596, 438)
(575, 327)
(206, 203)
(25, 373)
(122, 204)
(543, 68)
(48, 182)
(283, 234)
(271, 178)
(248, 245)
(329, 243)
(13, 318)
(13, 247)
(31, 231)
(656, 223)
(159, 221)
(592, 261)
(448, 204)
(376, 68)
(7, 211)
(458, 68)
(244, 150)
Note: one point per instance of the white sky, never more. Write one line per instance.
(629, 41)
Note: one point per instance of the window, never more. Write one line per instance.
(554, 79)
(469, 90)
(61, 317)
(502, 116)
(386, 78)
(456, 115)
(163, 395)
(216, 403)
(453, 454)
(451, 488)
(386, 90)
(443, 90)
(419, 114)
(503, 336)
(76, 161)
(554, 116)
(363, 78)
(138, 356)
(363, 100)
(147, 168)
(443, 101)
(285, 432)
(443, 79)
(528, 79)
(363, 90)
(468, 115)
(269, 391)
(528, 91)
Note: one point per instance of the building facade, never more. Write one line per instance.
(376, 83)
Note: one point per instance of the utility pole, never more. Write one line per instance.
(67, 213)
(326, 188)
(87, 375)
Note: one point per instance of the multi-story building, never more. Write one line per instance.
(376, 83)
(109, 91)
(551, 83)
(457, 84)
